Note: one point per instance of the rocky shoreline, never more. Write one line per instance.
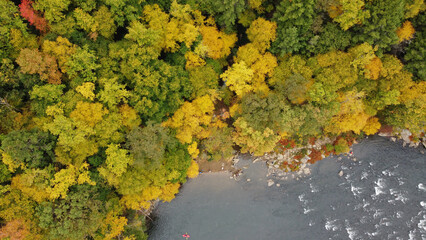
(276, 161)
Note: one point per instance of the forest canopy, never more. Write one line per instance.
(107, 106)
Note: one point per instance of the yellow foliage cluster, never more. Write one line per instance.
(193, 170)
(262, 65)
(182, 25)
(406, 31)
(416, 92)
(351, 116)
(130, 117)
(239, 78)
(255, 4)
(67, 177)
(90, 113)
(411, 10)
(169, 191)
(372, 126)
(348, 13)
(335, 10)
(261, 33)
(86, 89)
(193, 150)
(112, 226)
(218, 43)
(33, 184)
(253, 141)
(143, 200)
(192, 119)
(61, 49)
(362, 55)
(19, 41)
(10, 163)
(373, 68)
(116, 164)
(193, 60)
(253, 56)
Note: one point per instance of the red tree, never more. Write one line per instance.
(32, 16)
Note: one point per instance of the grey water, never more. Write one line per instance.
(381, 195)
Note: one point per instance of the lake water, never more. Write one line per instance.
(382, 195)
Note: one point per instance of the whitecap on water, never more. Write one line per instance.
(364, 175)
(422, 224)
(388, 172)
(314, 189)
(356, 190)
(399, 196)
(380, 187)
(352, 233)
(307, 210)
(332, 225)
(411, 235)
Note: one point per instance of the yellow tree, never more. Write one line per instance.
(61, 49)
(373, 68)
(116, 164)
(252, 140)
(351, 116)
(179, 26)
(406, 31)
(33, 183)
(112, 226)
(261, 33)
(67, 177)
(293, 77)
(218, 43)
(192, 119)
(372, 126)
(88, 113)
(262, 63)
(239, 78)
(348, 13)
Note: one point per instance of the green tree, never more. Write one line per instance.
(44, 96)
(148, 144)
(116, 163)
(415, 56)
(203, 80)
(294, 20)
(226, 12)
(380, 29)
(32, 148)
(76, 217)
(219, 144)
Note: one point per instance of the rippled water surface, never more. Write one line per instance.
(381, 195)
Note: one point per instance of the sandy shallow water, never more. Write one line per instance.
(381, 195)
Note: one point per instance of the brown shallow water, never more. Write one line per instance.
(382, 195)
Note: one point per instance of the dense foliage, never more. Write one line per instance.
(106, 106)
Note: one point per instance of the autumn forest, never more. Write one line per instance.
(107, 105)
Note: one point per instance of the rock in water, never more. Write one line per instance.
(341, 173)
